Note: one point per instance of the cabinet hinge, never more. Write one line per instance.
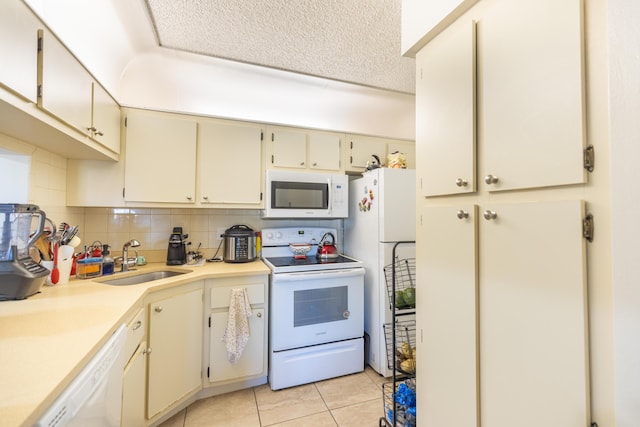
(208, 371)
(351, 145)
(39, 91)
(589, 158)
(350, 160)
(209, 321)
(126, 121)
(261, 196)
(272, 159)
(272, 137)
(587, 228)
(261, 136)
(123, 192)
(40, 43)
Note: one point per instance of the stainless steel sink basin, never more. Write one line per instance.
(142, 278)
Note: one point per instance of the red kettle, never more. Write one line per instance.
(327, 250)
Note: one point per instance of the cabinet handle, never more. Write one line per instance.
(461, 182)
(189, 198)
(489, 215)
(158, 309)
(92, 129)
(205, 197)
(146, 351)
(490, 179)
(258, 314)
(301, 163)
(137, 325)
(315, 164)
(99, 133)
(463, 214)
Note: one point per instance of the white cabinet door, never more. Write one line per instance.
(160, 158)
(447, 348)
(324, 151)
(531, 83)
(446, 112)
(134, 387)
(19, 48)
(230, 164)
(252, 360)
(175, 339)
(362, 149)
(105, 119)
(533, 315)
(289, 149)
(66, 85)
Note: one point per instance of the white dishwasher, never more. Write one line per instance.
(94, 397)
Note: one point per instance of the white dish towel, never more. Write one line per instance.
(236, 334)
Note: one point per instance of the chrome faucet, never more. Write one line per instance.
(133, 243)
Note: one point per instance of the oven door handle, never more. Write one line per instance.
(318, 274)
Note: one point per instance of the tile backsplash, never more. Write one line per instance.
(151, 226)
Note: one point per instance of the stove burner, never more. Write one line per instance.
(310, 260)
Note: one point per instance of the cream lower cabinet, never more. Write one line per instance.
(134, 376)
(503, 321)
(253, 361)
(175, 346)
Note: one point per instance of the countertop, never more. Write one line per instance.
(46, 339)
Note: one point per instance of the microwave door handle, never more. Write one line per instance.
(329, 195)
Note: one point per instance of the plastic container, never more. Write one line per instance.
(88, 268)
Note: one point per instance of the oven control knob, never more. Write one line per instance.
(278, 235)
(346, 314)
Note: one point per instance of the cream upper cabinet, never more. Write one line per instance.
(175, 340)
(362, 149)
(230, 164)
(325, 151)
(19, 48)
(160, 158)
(66, 87)
(289, 149)
(531, 93)
(521, 310)
(305, 149)
(448, 316)
(446, 112)
(105, 119)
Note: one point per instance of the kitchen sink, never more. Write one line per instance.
(142, 278)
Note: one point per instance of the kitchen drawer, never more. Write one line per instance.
(220, 296)
(135, 333)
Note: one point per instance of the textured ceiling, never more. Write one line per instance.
(355, 41)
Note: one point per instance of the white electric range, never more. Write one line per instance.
(316, 326)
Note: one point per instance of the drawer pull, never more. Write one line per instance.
(137, 325)
(158, 309)
(258, 314)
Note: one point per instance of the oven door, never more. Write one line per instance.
(316, 307)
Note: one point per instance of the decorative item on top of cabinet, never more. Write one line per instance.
(362, 151)
(305, 149)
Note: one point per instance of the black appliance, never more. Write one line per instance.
(20, 276)
(177, 251)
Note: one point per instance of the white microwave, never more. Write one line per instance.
(306, 195)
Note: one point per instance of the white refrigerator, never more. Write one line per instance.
(382, 211)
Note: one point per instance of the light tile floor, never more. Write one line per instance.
(350, 401)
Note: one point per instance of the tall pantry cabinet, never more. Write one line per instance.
(501, 256)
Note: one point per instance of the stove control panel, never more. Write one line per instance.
(284, 235)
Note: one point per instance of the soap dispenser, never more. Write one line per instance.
(108, 263)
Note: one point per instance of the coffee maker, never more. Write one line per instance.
(20, 275)
(177, 252)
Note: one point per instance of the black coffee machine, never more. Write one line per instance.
(177, 252)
